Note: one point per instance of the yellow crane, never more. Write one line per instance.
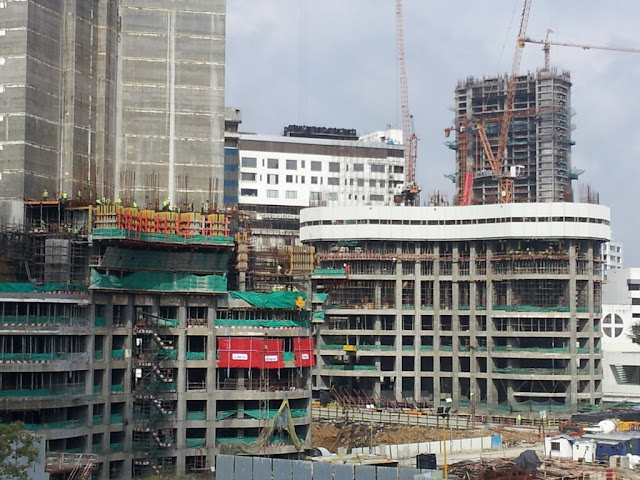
(547, 46)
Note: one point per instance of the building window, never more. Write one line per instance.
(289, 178)
(555, 446)
(272, 193)
(272, 179)
(272, 163)
(292, 164)
(372, 183)
(376, 198)
(358, 167)
(350, 182)
(361, 182)
(333, 181)
(333, 196)
(316, 166)
(249, 162)
(334, 167)
(302, 179)
(612, 325)
(315, 196)
(248, 177)
(301, 163)
(291, 194)
(381, 183)
(314, 180)
(376, 168)
(248, 192)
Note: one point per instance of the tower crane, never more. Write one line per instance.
(547, 46)
(463, 130)
(496, 163)
(410, 191)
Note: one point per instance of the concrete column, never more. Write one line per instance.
(455, 322)
(473, 329)
(417, 323)
(128, 411)
(437, 391)
(212, 392)
(572, 396)
(181, 404)
(398, 310)
(492, 392)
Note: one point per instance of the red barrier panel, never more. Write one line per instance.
(303, 348)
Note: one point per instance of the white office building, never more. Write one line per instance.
(621, 356)
(611, 257)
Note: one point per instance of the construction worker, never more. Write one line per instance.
(190, 206)
(118, 201)
(45, 195)
(135, 205)
(165, 205)
(64, 196)
(207, 206)
(202, 206)
(79, 194)
(98, 201)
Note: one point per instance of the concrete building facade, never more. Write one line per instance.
(495, 306)
(620, 313)
(57, 100)
(313, 166)
(538, 148)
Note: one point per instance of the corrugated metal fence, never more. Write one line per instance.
(231, 467)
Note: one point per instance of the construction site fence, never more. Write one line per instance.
(239, 467)
(429, 418)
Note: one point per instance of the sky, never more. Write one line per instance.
(334, 63)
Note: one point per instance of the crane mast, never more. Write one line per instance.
(410, 191)
(506, 182)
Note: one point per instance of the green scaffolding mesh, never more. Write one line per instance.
(285, 300)
(156, 281)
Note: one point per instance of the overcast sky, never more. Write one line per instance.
(334, 63)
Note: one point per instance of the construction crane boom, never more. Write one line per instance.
(410, 140)
(547, 46)
(463, 130)
(506, 183)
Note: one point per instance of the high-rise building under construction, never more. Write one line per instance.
(538, 147)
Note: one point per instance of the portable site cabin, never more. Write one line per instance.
(630, 439)
(608, 448)
(584, 450)
(559, 446)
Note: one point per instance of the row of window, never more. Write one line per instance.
(274, 179)
(466, 221)
(314, 196)
(316, 166)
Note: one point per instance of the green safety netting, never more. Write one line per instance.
(227, 322)
(285, 300)
(40, 392)
(196, 355)
(34, 427)
(100, 321)
(529, 308)
(196, 415)
(40, 320)
(330, 272)
(11, 287)
(117, 354)
(332, 346)
(288, 356)
(376, 347)
(116, 418)
(156, 281)
(191, 262)
(195, 442)
(97, 419)
(282, 421)
(319, 297)
(162, 237)
(318, 315)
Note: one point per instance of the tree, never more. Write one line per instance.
(18, 451)
(635, 333)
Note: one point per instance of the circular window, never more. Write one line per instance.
(612, 325)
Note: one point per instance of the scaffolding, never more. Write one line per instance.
(154, 391)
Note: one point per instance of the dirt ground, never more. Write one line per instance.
(351, 435)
